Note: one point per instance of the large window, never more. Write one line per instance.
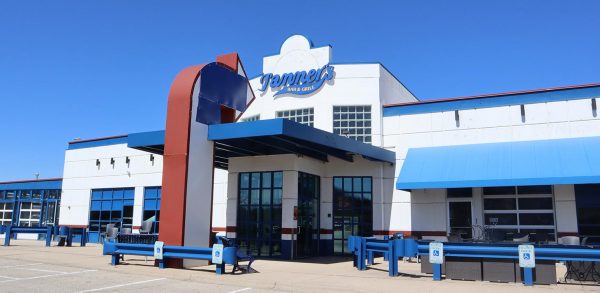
(152, 206)
(520, 210)
(30, 208)
(304, 116)
(353, 122)
(259, 213)
(352, 210)
(110, 206)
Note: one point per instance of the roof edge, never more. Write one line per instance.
(31, 180)
(98, 138)
(493, 95)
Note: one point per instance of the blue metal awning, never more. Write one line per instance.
(283, 136)
(270, 137)
(151, 141)
(542, 162)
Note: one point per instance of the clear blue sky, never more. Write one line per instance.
(98, 68)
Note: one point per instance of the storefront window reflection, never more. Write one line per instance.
(352, 210)
(259, 213)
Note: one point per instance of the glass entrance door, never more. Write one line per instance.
(308, 215)
(460, 217)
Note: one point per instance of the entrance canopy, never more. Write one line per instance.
(542, 162)
(271, 137)
(283, 136)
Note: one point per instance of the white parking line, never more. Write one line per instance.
(46, 276)
(40, 270)
(240, 290)
(25, 265)
(122, 285)
(11, 278)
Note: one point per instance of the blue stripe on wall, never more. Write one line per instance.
(47, 184)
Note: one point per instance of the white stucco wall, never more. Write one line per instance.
(81, 175)
(549, 120)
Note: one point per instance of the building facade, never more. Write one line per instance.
(327, 150)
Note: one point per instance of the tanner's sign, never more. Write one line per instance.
(299, 83)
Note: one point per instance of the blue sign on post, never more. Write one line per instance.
(158, 249)
(436, 253)
(527, 262)
(526, 256)
(217, 253)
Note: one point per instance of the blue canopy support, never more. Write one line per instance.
(542, 162)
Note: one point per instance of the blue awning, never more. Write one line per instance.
(151, 141)
(542, 162)
(283, 136)
(270, 137)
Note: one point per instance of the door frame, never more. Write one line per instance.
(459, 199)
(315, 250)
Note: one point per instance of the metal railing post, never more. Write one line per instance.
(437, 271)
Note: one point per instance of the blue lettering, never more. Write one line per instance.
(287, 79)
(311, 76)
(264, 81)
(329, 74)
(276, 80)
(299, 76)
(299, 82)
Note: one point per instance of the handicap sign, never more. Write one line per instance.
(158, 249)
(217, 254)
(526, 256)
(436, 253)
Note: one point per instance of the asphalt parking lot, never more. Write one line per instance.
(28, 266)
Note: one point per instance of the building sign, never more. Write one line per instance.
(158, 249)
(217, 254)
(526, 256)
(298, 83)
(436, 252)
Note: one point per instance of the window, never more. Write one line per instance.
(521, 209)
(29, 214)
(353, 122)
(6, 213)
(110, 206)
(259, 213)
(251, 118)
(304, 116)
(30, 208)
(352, 210)
(152, 206)
(10, 195)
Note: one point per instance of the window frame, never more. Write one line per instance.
(351, 124)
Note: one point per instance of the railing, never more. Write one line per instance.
(169, 252)
(399, 248)
(11, 230)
